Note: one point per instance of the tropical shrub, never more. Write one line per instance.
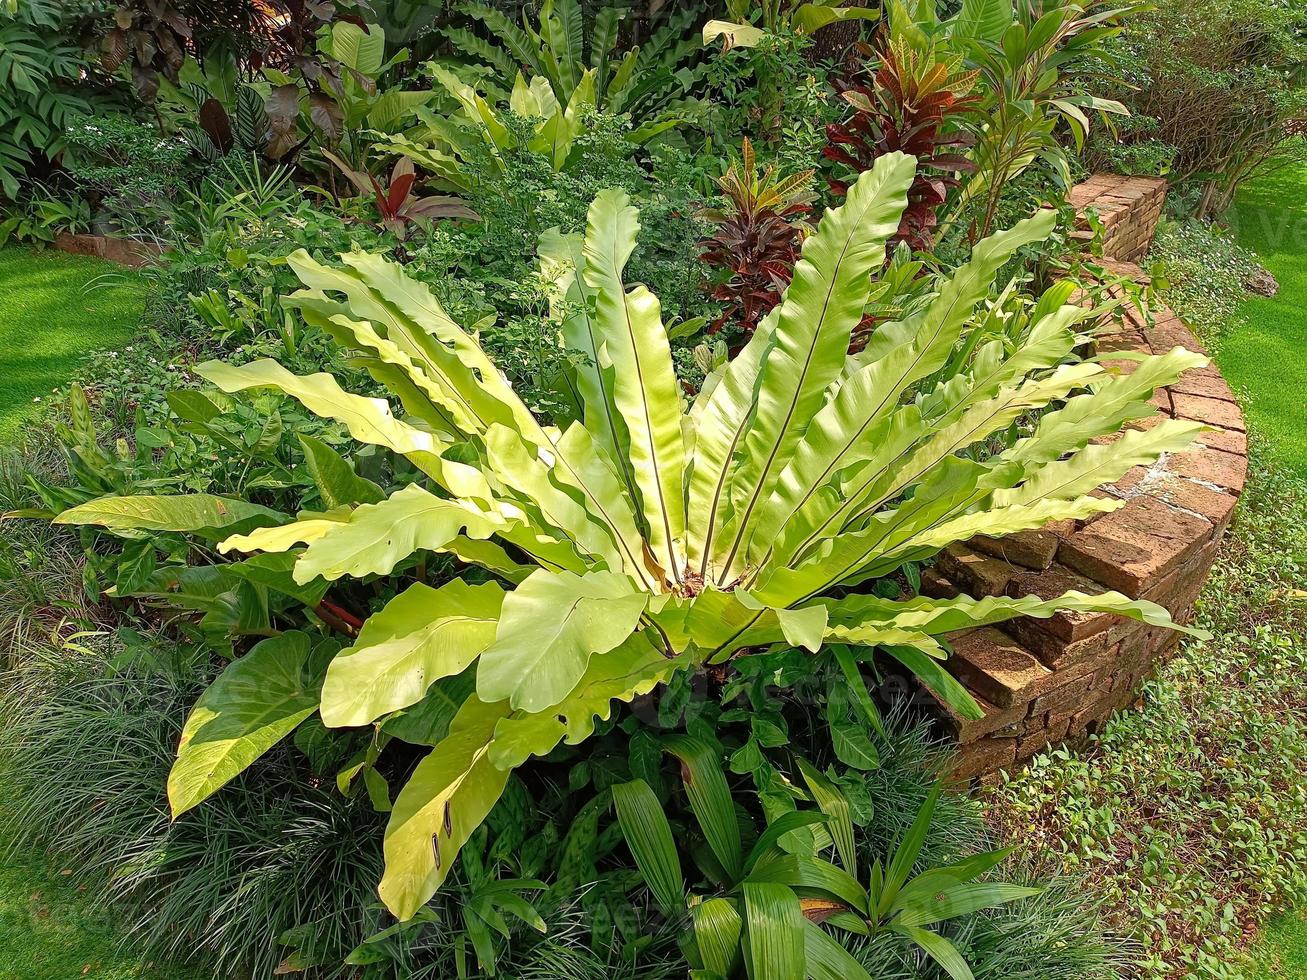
(1033, 63)
(915, 103)
(759, 230)
(40, 94)
(567, 52)
(1221, 83)
(638, 556)
(132, 174)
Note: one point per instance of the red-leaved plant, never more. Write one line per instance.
(759, 230)
(397, 205)
(914, 102)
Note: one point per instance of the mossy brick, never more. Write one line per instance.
(983, 756)
(975, 573)
(1033, 549)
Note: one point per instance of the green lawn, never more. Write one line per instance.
(50, 928)
(1282, 954)
(1267, 355)
(53, 312)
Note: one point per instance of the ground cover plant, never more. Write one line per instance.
(1188, 816)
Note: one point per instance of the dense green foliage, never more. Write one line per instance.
(450, 532)
(1217, 89)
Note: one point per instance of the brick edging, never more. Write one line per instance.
(121, 251)
(1053, 680)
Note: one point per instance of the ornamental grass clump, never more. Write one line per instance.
(645, 537)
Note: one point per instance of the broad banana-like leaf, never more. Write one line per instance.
(808, 18)
(633, 344)
(823, 304)
(377, 537)
(1102, 411)
(718, 623)
(737, 35)
(198, 513)
(448, 796)
(255, 703)
(550, 627)
(276, 540)
(422, 635)
(634, 668)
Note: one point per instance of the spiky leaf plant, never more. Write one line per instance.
(914, 102)
(650, 538)
(758, 231)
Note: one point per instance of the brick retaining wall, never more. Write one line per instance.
(1048, 681)
(1128, 207)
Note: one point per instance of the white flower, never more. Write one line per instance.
(36, 399)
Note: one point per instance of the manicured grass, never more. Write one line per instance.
(50, 930)
(1283, 951)
(1266, 356)
(53, 312)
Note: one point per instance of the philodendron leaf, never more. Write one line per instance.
(198, 513)
(550, 627)
(255, 703)
(421, 635)
(448, 796)
(377, 537)
(336, 480)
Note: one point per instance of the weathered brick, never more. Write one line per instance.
(936, 586)
(1226, 440)
(1030, 549)
(1211, 466)
(1132, 548)
(1028, 745)
(1213, 411)
(976, 574)
(998, 668)
(1206, 385)
(1053, 582)
(984, 755)
(1065, 697)
(967, 730)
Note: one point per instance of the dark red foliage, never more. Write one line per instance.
(914, 103)
(759, 231)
